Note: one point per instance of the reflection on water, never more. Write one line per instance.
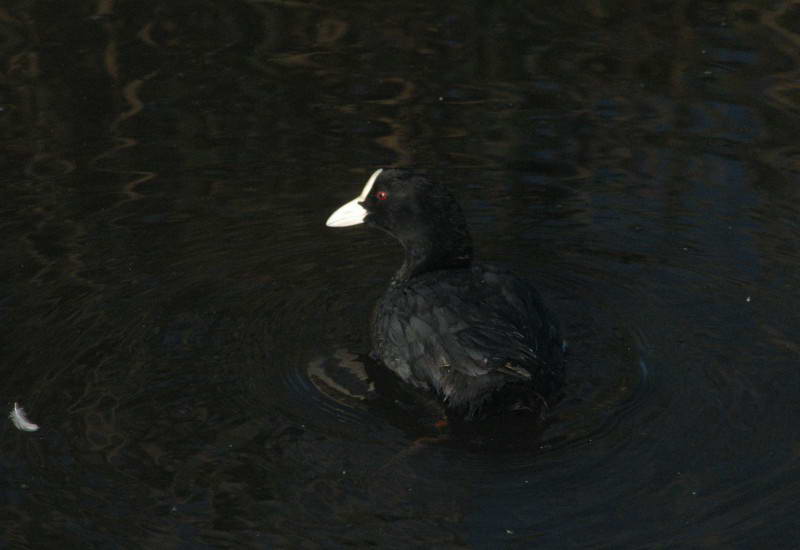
(171, 298)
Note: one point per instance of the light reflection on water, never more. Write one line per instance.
(169, 285)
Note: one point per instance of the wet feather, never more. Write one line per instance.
(21, 421)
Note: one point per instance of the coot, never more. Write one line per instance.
(476, 335)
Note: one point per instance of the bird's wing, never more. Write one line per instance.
(496, 325)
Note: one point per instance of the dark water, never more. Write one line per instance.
(169, 288)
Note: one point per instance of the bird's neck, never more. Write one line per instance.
(424, 253)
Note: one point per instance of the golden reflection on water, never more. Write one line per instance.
(614, 90)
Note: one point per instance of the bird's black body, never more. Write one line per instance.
(468, 333)
(476, 335)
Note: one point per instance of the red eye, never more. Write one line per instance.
(382, 195)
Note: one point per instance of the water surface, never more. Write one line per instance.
(169, 289)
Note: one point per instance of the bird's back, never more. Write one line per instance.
(466, 333)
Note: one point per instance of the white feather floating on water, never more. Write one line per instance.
(21, 421)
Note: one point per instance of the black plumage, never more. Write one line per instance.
(476, 335)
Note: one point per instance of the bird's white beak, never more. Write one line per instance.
(352, 213)
(348, 214)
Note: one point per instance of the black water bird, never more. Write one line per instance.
(477, 336)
